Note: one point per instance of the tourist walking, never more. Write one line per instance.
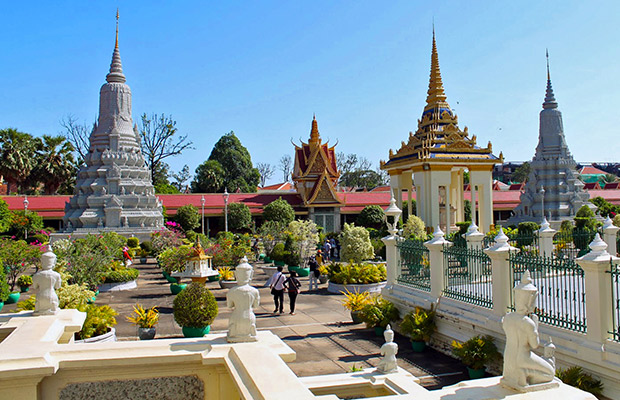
(326, 250)
(292, 285)
(277, 290)
(332, 243)
(314, 273)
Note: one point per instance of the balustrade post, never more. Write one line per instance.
(597, 284)
(609, 236)
(499, 254)
(437, 268)
(392, 258)
(545, 239)
(474, 237)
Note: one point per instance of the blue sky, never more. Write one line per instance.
(262, 69)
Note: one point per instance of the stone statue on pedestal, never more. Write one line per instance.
(46, 281)
(242, 298)
(389, 350)
(523, 369)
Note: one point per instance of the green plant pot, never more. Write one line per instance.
(379, 330)
(294, 268)
(418, 346)
(176, 288)
(213, 278)
(13, 298)
(97, 293)
(279, 263)
(475, 373)
(267, 260)
(303, 272)
(24, 289)
(1, 305)
(262, 257)
(196, 332)
(92, 300)
(355, 316)
(170, 279)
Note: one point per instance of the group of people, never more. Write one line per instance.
(330, 249)
(280, 283)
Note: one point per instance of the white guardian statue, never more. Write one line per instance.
(242, 299)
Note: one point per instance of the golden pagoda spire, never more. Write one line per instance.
(116, 45)
(436, 95)
(314, 132)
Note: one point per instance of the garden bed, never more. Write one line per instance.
(370, 288)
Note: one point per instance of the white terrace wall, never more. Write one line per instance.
(594, 351)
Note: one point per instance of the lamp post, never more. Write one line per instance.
(226, 209)
(542, 192)
(26, 202)
(394, 212)
(202, 203)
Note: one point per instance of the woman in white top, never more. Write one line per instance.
(277, 289)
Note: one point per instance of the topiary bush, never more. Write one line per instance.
(414, 228)
(195, 307)
(4, 286)
(355, 244)
(352, 273)
(133, 242)
(239, 217)
(147, 247)
(278, 252)
(280, 211)
(188, 217)
(371, 217)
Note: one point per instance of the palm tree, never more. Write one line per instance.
(55, 162)
(17, 157)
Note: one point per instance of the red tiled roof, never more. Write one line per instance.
(591, 186)
(286, 186)
(612, 185)
(590, 170)
(517, 186)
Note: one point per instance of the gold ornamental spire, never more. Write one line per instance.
(436, 95)
(314, 132)
(116, 44)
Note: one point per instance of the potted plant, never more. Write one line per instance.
(173, 260)
(475, 353)
(4, 286)
(277, 254)
(419, 325)
(378, 313)
(98, 325)
(323, 271)
(195, 309)
(145, 320)
(227, 277)
(24, 282)
(354, 302)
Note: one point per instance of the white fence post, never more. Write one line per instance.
(609, 236)
(599, 297)
(474, 237)
(545, 239)
(392, 258)
(500, 272)
(437, 269)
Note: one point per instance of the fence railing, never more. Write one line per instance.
(572, 244)
(561, 299)
(525, 242)
(414, 265)
(468, 276)
(615, 295)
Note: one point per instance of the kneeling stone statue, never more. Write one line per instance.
(46, 281)
(523, 369)
(242, 298)
(389, 350)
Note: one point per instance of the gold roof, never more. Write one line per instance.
(438, 135)
(197, 252)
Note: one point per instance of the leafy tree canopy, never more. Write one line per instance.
(235, 160)
(239, 216)
(371, 217)
(209, 178)
(521, 173)
(280, 211)
(188, 217)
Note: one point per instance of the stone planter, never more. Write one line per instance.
(228, 284)
(196, 332)
(118, 286)
(370, 288)
(13, 298)
(355, 317)
(146, 333)
(106, 337)
(269, 270)
(323, 278)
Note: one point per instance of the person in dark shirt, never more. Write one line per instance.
(292, 285)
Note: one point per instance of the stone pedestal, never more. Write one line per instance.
(437, 269)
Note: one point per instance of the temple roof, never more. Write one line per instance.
(116, 68)
(438, 136)
(313, 157)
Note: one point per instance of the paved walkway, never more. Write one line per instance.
(321, 332)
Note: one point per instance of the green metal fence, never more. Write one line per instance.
(560, 281)
(526, 242)
(468, 276)
(572, 244)
(615, 293)
(414, 265)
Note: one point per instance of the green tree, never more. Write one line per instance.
(239, 174)
(158, 140)
(5, 216)
(209, 178)
(521, 173)
(55, 163)
(166, 188)
(279, 211)
(20, 221)
(188, 217)
(605, 208)
(371, 217)
(181, 178)
(414, 209)
(414, 228)
(4, 286)
(355, 244)
(17, 157)
(585, 218)
(239, 216)
(17, 256)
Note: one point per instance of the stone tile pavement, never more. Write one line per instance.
(321, 332)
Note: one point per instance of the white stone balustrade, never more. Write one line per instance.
(474, 237)
(500, 272)
(609, 235)
(545, 239)
(437, 269)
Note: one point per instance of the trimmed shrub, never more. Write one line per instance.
(371, 217)
(123, 275)
(4, 286)
(239, 216)
(355, 244)
(279, 210)
(188, 217)
(147, 246)
(195, 307)
(133, 242)
(414, 228)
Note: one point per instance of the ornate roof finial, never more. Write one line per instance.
(116, 68)
(549, 97)
(436, 95)
(314, 132)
